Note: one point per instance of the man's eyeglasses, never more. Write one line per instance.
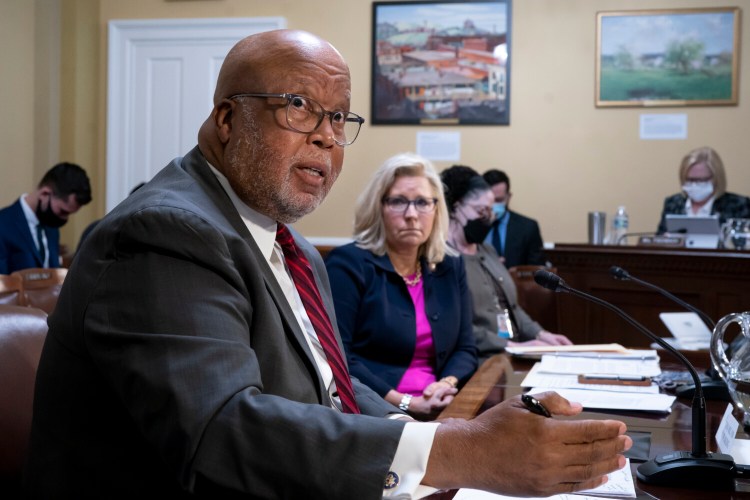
(400, 204)
(305, 115)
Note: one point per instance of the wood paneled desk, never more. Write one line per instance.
(500, 378)
(714, 281)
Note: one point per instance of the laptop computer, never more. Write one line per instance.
(701, 231)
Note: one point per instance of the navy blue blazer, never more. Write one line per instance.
(377, 321)
(17, 247)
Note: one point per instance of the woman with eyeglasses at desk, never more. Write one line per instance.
(402, 304)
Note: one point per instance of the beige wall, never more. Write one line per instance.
(565, 157)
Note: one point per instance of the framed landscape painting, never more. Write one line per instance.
(683, 57)
(441, 62)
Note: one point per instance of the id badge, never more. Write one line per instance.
(504, 325)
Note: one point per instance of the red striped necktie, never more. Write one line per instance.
(304, 281)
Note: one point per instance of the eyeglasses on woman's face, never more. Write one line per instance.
(400, 204)
(305, 115)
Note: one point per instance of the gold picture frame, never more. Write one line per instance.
(668, 57)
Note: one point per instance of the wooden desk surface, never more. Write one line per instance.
(500, 377)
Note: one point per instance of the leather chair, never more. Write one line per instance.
(41, 286)
(22, 334)
(538, 302)
(11, 290)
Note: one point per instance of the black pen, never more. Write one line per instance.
(535, 406)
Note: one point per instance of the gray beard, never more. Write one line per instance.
(248, 165)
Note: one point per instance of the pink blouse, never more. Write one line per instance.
(420, 373)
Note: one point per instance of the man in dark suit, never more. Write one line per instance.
(184, 358)
(29, 234)
(516, 237)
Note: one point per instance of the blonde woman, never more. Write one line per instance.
(704, 190)
(402, 304)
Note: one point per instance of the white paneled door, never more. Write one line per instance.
(161, 79)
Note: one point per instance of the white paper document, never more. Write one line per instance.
(609, 400)
(537, 378)
(579, 365)
(726, 431)
(576, 348)
(619, 485)
(689, 331)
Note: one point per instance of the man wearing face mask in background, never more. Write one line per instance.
(515, 237)
(704, 185)
(29, 228)
(497, 319)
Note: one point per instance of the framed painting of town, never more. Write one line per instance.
(441, 62)
(683, 57)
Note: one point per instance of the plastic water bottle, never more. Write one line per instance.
(620, 226)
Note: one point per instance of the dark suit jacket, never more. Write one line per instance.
(523, 241)
(728, 205)
(17, 247)
(377, 321)
(174, 364)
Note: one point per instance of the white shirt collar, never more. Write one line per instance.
(261, 227)
(31, 217)
(704, 210)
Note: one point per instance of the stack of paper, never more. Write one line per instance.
(560, 373)
(619, 485)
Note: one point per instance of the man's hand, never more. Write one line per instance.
(510, 450)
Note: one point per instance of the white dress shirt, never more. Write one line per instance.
(413, 451)
(33, 222)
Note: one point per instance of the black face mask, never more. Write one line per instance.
(476, 230)
(47, 217)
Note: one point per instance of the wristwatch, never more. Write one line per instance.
(404, 404)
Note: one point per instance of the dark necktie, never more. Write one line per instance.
(496, 239)
(304, 281)
(40, 240)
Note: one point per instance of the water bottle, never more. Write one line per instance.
(620, 226)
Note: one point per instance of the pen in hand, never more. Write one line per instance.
(535, 406)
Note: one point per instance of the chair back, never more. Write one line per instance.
(41, 286)
(538, 302)
(22, 334)
(11, 290)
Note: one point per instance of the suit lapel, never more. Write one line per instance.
(22, 226)
(196, 165)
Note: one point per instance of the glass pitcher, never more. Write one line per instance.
(736, 372)
(735, 234)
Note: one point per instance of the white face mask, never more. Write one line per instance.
(698, 191)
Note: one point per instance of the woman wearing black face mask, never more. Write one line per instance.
(498, 320)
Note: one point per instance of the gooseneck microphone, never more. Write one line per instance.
(714, 389)
(697, 468)
(621, 274)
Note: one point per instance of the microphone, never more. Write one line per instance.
(621, 274)
(713, 389)
(697, 468)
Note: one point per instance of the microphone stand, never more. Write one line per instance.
(714, 389)
(697, 468)
(622, 274)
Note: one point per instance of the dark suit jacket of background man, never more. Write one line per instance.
(17, 247)
(523, 241)
(173, 362)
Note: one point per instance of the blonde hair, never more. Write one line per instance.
(369, 228)
(712, 160)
